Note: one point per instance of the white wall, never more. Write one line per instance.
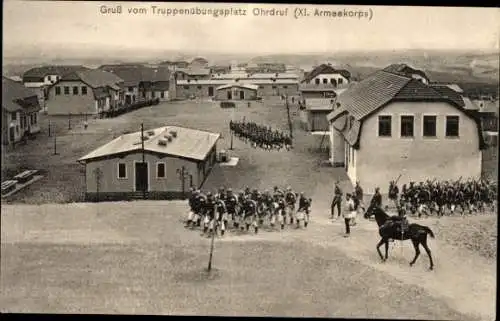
(381, 159)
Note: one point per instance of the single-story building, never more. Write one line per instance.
(116, 171)
(389, 125)
(236, 92)
(20, 108)
(205, 88)
(92, 91)
(314, 116)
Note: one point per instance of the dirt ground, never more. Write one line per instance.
(136, 257)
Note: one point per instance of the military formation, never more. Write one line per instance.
(260, 136)
(444, 198)
(247, 210)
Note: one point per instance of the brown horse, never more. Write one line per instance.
(415, 232)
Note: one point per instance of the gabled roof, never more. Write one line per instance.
(41, 72)
(246, 86)
(189, 143)
(378, 90)
(404, 70)
(94, 78)
(13, 95)
(326, 69)
(446, 91)
(133, 75)
(199, 60)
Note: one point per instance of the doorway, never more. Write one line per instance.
(242, 95)
(210, 91)
(141, 177)
(229, 95)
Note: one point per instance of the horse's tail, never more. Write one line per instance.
(429, 231)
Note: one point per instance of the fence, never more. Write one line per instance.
(129, 108)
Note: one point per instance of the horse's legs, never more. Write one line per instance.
(424, 244)
(378, 248)
(416, 244)
(386, 249)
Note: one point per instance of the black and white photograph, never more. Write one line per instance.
(243, 159)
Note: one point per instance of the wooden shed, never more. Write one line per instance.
(314, 116)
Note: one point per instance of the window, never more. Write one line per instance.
(285, 87)
(274, 87)
(160, 170)
(452, 126)
(429, 126)
(84, 90)
(75, 90)
(340, 81)
(153, 94)
(186, 87)
(122, 170)
(385, 126)
(130, 89)
(317, 81)
(34, 119)
(58, 91)
(325, 81)
(66, 90)
(14, 116)
(407, 126)
(162, 94)
(199, 87)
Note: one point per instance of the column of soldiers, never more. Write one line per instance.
(225, 209)
(445, 197)
(260, 136)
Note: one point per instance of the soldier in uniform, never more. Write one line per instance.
(192, 207)
(304, 208)
(201, 202)
(291, 199)
(222, 218)
(232, 207)
(209, 223)
(376, 198)
(393, 192)
(250, 214)
(358, 197)
(337, 201)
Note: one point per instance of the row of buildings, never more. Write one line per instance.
(75, 89)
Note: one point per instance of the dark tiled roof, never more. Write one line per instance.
(95, 78)
(39, 73)
(380, 88)
(15, 96)
(324, 68)
(446, 91)
(161, 85)
(404, 70)
(133, 75)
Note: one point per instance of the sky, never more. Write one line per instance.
(37, 25)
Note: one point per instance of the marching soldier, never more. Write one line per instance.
(304, 210)
(290, 198)
(192, 207)
(348, 214)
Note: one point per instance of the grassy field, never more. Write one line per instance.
(137, 258)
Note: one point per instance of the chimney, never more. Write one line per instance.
(162, 142)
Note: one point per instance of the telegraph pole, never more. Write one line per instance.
(143, 159)
(211, 251)
(49, 127)
(289, 118)
(55, 143)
